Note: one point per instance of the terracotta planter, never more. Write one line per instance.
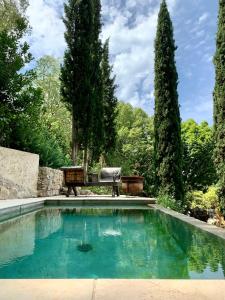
(133, 185)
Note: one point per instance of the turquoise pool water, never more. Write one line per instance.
(94, 243)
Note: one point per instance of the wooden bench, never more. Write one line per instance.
(75, 177)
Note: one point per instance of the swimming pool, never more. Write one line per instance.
(107, 243)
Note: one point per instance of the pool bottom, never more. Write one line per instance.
(121, 244)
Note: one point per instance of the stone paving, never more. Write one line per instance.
(116, 289)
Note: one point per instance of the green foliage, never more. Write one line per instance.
(201, 200)
(100, 190)
(37, 139)
(12, 12)
(97, 129)
(109, 101)
(81, 85)
(167, 129)
(219, 104)
(198, 167)
(134, 145)
(87, 84)
(19, 98)
(55, 118)
(29, 101)
(169, 202)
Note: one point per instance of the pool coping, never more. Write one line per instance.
(111, 289)
(217, 231)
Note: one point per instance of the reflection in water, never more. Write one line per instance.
(17, 238)
(124, 244)
(205, 253)
(47, 222)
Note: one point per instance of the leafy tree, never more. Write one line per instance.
(54, 115)
(21, 98)
(219, 104)
(18, 96)
(109, 101)
(134, 144)
(11, 12)
(168, 147)
(198, 167)
(33, 136)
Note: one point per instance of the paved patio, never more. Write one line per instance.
(112, 289)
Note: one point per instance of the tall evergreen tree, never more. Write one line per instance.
(109, 101)
(81, 79)
(77, 71)
(97, 85)
(219, 103)
(167, 147)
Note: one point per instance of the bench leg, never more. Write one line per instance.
(117, 191)
(75, 191)
(68, 191)
(113, 191)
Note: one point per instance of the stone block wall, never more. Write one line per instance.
(50, 182)
(18, 174)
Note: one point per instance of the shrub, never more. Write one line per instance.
(170, 202)
(198, 199)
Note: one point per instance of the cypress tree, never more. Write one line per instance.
(109, 101)
(97, 84)
(167, 128)
(219, 104)
(78, 70)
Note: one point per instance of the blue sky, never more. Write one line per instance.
(131, 26)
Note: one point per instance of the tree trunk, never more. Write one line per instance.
(85, 161)
(75, 146)
(102, 161)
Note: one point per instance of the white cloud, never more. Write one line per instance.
(207, 57)
(47, 28)
(200, 33)
(203, 18)
(131, 26)
(132, 49)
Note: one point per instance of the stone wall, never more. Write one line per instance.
(50, 182)
(18, 174)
